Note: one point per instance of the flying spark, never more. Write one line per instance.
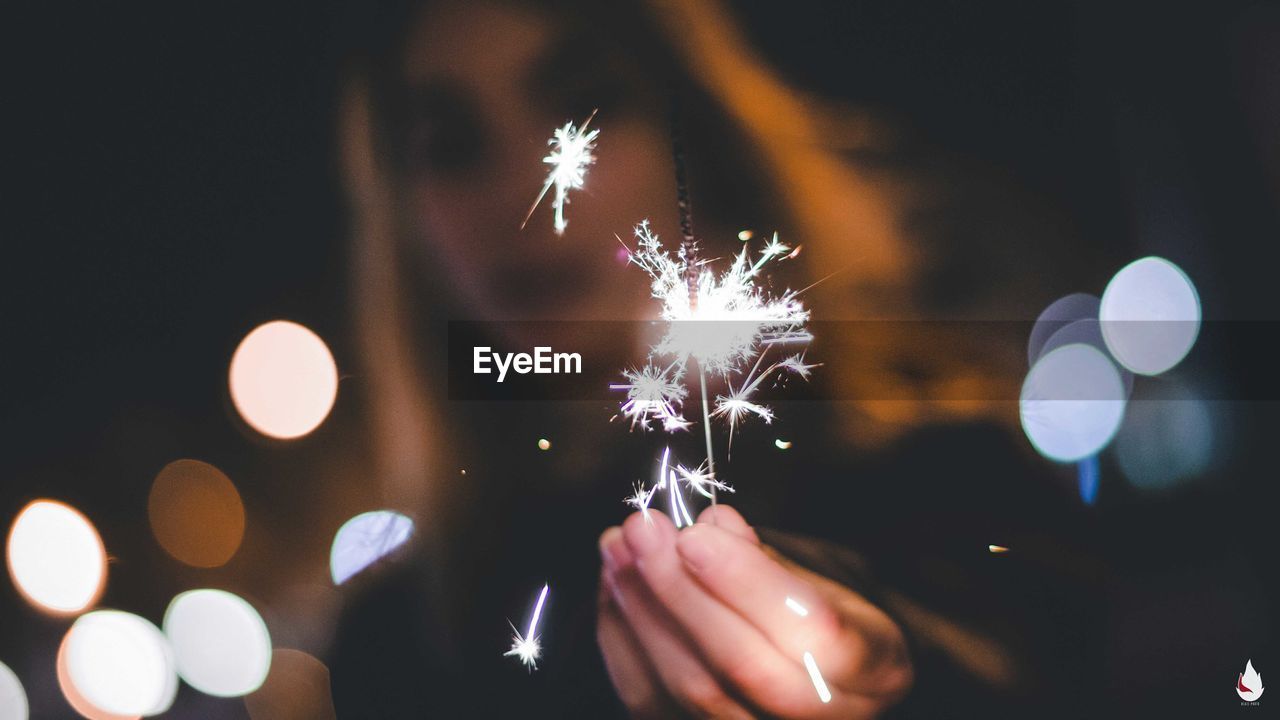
(527, 647)
(653, 394)
(571, 153)
(701, 480)
(796, 365)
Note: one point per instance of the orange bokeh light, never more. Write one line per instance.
(196, 513)
(296, 689)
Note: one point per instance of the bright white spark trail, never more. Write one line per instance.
(796, 607)
(824, 694)
(569, 157)
(527, 647)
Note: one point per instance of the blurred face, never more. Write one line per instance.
(489, 83)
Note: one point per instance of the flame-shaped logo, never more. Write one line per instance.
(1249, 684)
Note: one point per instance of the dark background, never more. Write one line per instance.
(171, 182)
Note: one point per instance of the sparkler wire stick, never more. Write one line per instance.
(706, 428)
(685, 206)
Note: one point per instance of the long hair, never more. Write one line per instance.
(847, 217)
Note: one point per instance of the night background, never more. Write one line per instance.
(172, 182)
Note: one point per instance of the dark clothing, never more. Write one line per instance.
(920, 514)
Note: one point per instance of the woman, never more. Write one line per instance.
(445, 123)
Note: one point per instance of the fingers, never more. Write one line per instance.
(629, 670)
(847, 636)
(736, 650)
(726, 518)
(678, 668)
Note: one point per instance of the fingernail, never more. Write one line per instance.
(696, 548)
(612, 550)
(611, 584)
(643, 538)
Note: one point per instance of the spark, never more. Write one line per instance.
(815, 675)
(782, 444)
(701, 480)
(735, 407)
(692, 296)
(797, 365)
(641, 498)
(678, 507)
(654, 393)
(569, 157)
(770, 251)
(997, 549)
(527, 647)
(797, 608)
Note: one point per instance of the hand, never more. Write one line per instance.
(696, 622)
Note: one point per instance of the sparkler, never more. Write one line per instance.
(527, 647)
(722, 323)
(569, 157)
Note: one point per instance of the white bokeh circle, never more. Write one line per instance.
(1150, 315)
(220, 642)
(121, 663)
(1072, 403)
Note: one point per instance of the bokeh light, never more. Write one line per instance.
(544, 444)
(283, 380)
(1150, 315)
(56, 557)
(73, 696)
(13, 699)
(1061, 312)
(364, 539)
(297, 688)
(1087, 332)
(1072, 402)
(221, 644)
(1166, 441)
(196, 513)
(120, 663)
